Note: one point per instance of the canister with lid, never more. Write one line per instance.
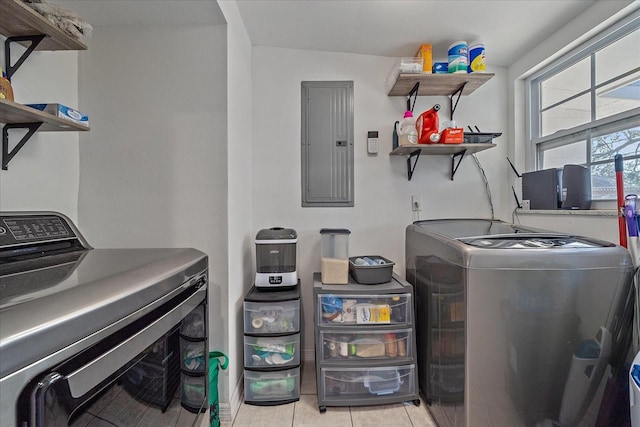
(335, 256)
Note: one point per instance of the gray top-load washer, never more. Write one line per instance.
(515, 325)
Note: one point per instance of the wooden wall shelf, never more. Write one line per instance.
(23, 25)
(439, 84)
(14, 113)
(20, 20)
(453, 150)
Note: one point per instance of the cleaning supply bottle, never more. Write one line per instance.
(428, 126)
(6, 91)
(408, 135)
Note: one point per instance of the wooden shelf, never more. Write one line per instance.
(19, 19)
(439, 84)
(453, 150)
(441, 149)
(14, 113)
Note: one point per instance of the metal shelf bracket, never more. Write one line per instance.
(454, 165)
(452, 106)
(410, 167)
(8, 155)
(413, 92)
(35, 40)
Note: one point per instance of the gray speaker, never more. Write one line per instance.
(576, 187)
(542, 189)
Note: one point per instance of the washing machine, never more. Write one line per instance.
(91, 335)
(515, 325)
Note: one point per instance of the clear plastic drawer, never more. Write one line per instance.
(193, 325)
(269, 386)
(271, 351)
(366, 345)
(387, 309)
(192, 356)
(347, 384)
(271, 318)
(193, 392)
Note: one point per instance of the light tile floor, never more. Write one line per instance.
(305, 412)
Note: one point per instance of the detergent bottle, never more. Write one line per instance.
(6, 92)
(428, 125)
(408, 134)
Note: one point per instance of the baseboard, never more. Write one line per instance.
(228, 410)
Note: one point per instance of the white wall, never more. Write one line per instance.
(382, 193)
(240, 214)
(44, 173)
(153, 169)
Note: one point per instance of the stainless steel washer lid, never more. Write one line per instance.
(472, 227)
(105, 286)
(494, 244)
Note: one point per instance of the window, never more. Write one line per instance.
(585, 109)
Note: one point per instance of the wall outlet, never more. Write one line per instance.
(526, 205)
(416, 203)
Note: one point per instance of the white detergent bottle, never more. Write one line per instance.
(408, 135)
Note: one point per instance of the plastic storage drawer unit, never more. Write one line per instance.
(266, 387)
(365, 343)
(271, 351)
(194, 360)
(271, 318)
(272, 346)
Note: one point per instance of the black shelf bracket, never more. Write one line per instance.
(35, 41)
(410, 167)
(454, 165)
(413, 92)
(452, 106)
(8, 155)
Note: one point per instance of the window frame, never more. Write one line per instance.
(587, 50)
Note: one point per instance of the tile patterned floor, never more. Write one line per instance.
(305, 412)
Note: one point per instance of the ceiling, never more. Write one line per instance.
(145, 12)
(396, 28)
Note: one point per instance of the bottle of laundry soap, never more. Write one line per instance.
(408, 135)
(427, 126)
(6, 92)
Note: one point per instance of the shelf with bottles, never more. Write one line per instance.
(453, 86)
(28, 28)
(439, 84)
